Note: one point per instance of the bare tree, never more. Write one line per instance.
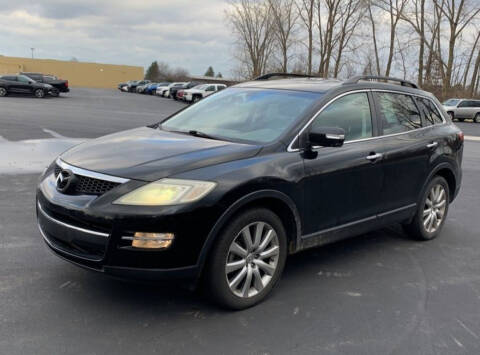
(326, 30)
(306, 10)
(351, 13)
(374, 37)
(395, 9)
(284, 20)
(252, 23)
(458, 14)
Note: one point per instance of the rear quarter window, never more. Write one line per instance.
(430, 112)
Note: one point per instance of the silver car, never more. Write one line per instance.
(462, 109)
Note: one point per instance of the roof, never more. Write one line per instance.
(301, 84)
(323, 85)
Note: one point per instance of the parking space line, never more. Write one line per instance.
(472, 138)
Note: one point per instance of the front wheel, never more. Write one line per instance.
(39, 93)
(3, 92)
(247, 260)
(431, 212)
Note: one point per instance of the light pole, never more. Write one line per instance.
(32, 49)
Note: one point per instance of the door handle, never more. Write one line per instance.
(374, 156)
(432, 145)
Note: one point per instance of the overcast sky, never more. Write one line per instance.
(186, 33)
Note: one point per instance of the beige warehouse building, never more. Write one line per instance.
(91, 75)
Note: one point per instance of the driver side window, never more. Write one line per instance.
(350, 112)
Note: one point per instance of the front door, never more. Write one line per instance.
(342, 184)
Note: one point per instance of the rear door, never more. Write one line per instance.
(342, 184)
(12, 83)
(463, 110)
(405, 151)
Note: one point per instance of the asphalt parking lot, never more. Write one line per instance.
(380, 293)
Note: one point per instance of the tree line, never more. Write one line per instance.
(433, 42)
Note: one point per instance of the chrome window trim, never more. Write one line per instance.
(54, 220)
(290, 149)
(91, 174)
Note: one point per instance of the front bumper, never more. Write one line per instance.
(92, 238)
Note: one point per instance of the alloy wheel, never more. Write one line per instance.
(434, 209)
(252, 259)
(39, 93)
(3, 92)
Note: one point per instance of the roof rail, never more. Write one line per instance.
(402, 82)
(289, 75)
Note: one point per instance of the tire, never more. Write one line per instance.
(3, 92)
(39, 93)
(423, 228)
(261, 276)
(461, 119)
(477, 118)
(196, 98)
(452, 116)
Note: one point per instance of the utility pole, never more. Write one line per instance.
(32, 49)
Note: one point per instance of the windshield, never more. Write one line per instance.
(256, 115)
(451, 102)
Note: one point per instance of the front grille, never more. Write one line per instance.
(89, 186)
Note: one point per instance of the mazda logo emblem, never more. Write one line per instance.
(64, 180)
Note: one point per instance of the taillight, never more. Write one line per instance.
(460, 136)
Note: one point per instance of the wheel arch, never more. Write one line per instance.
(277, 201)
(446, 171)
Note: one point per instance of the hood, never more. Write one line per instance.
(150, 154)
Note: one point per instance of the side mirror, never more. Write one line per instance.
(326, 137)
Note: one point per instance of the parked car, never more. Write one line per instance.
(227, 188)
(199, 92)
(152, 88)
(174, 89)
(163, 89)
(132, 86)
(59, 85)
(167, 93)
(462, 109)
(21, 84)
(140, 88)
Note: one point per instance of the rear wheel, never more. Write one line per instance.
(431, 212)
(39, 93)
(247, 260)
(477, 118)
(3, 92)
(196, 98)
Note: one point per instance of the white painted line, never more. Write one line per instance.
(53, 133)
(472, 138)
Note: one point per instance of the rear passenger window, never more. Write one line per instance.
(398, 113)
(350, 112)
(430, 112)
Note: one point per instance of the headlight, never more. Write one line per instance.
(167, 192)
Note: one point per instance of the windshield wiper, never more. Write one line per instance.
(202, 135)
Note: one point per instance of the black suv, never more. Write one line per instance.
(21, 84)
(59, 85)
(225, 189)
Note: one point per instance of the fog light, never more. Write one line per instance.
(152, 240)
